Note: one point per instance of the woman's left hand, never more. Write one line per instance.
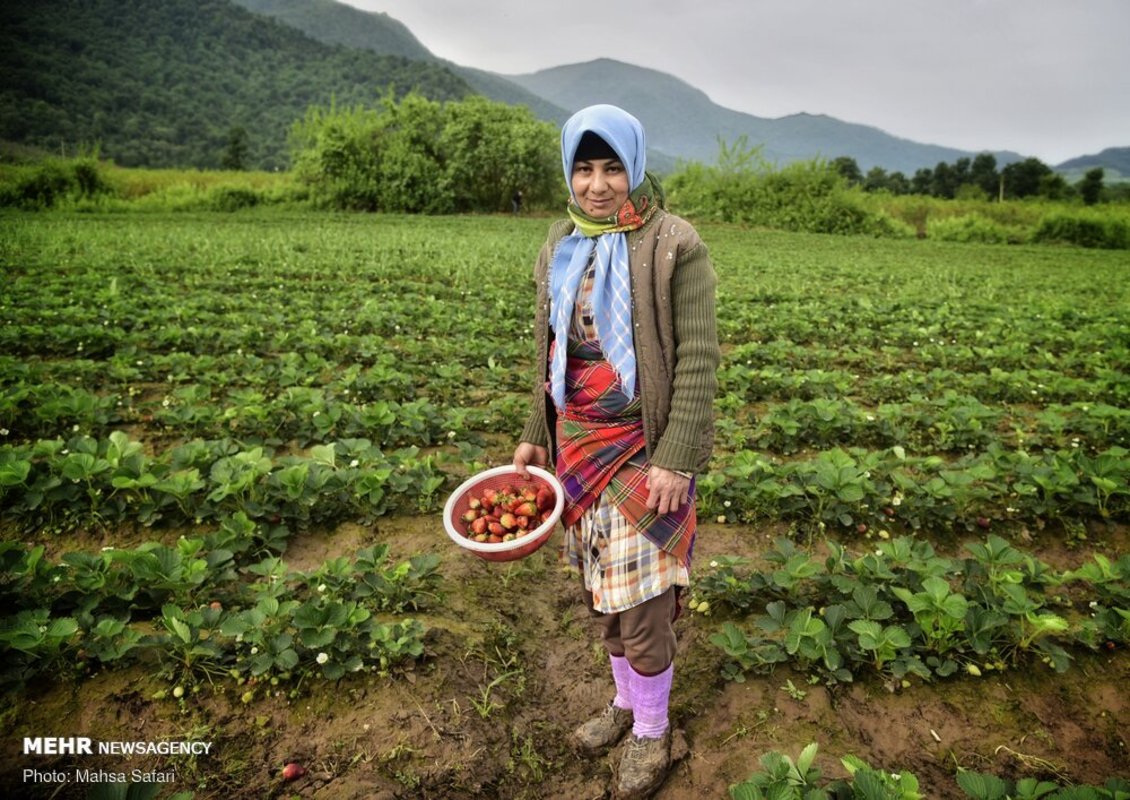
(667, 491)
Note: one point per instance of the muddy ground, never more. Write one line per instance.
(512, 666)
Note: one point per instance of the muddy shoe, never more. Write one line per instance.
(643, 767)
(604, 731)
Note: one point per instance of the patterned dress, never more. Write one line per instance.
(626, 553)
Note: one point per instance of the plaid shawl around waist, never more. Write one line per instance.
(601, 451)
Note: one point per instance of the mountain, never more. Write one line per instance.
(1114, 161)
(684, 123)
(331, 22)
(335, 23)
(165, 83)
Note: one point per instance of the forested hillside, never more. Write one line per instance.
(167, 84)
(334, 22)
(1113, 159)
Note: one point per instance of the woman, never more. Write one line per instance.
(627, 347)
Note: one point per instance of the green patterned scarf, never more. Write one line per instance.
(640, 206)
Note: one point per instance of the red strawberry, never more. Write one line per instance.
(496, 529)
(523, 522)
(509, 521)
(479, 526)
(545, 499)
(527, 509)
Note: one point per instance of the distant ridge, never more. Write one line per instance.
(163, 84)
(334, 23)
(167, 83)
(1115, 161)
(684, 122)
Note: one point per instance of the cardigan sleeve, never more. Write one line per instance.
(685, 443)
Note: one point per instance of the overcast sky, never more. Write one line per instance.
(1047, 78)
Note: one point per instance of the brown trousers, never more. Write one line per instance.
(644, 633)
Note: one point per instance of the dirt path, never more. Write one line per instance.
(513, 665)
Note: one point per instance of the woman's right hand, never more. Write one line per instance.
(526, 454)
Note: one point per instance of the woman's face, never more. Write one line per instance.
(600, 185)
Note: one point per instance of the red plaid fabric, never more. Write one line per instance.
(601, 446)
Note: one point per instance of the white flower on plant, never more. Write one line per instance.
(323, 658)
(355, 463)
(726, 504)
(254, 651)
(4, 431)
(321, 587)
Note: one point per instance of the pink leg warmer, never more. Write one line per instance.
(621, 674)
(650, 696)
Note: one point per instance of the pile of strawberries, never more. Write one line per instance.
(507, 513)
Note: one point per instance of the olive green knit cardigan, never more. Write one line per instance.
(675, 336)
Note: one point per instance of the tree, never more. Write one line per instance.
(920, 183)
(235, 157)
(876, 180)
(1091, 187)
(493, 150)
(945, 181)
(421, 156)
(983, 173)
(1022, 178)
(847, 166)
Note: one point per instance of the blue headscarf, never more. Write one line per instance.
(603, 242)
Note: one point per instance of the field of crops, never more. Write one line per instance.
(225, 441)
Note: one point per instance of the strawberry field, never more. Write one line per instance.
(226, 440)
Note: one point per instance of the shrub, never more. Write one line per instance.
(1084, 230)
(40, 187)
(232, 198)
(49, 182)
(804, 196)
(968, 228)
